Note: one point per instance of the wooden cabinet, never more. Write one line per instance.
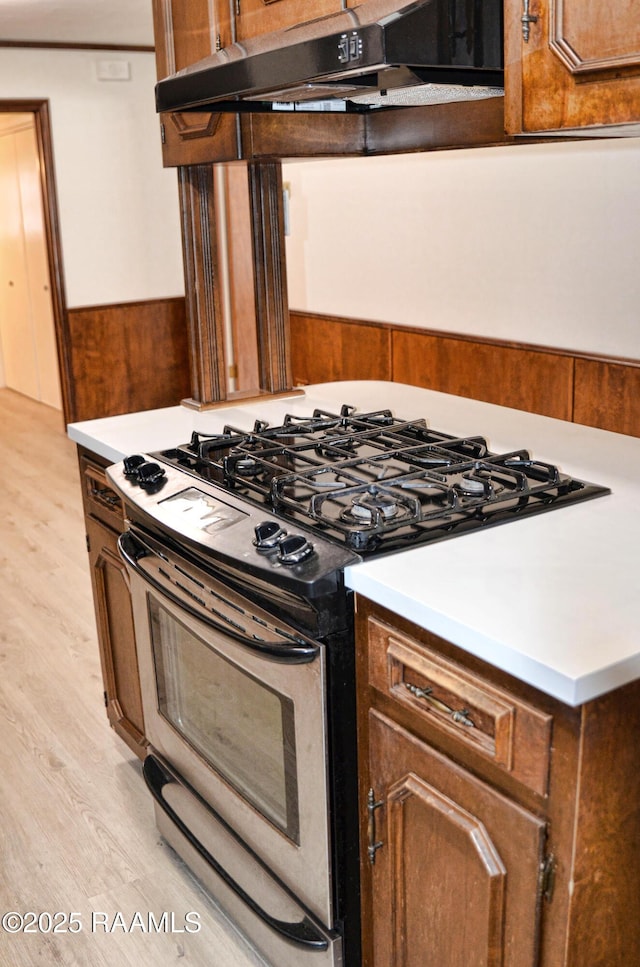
(456, 868)
(255, 17)
(112, 601)
(499, 826)
(572, 65)
(185, 33)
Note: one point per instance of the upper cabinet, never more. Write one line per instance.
(572, 66)
(255, 17)
(184, 34)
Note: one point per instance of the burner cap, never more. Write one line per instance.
(365, 506)
(473, 486)
(243, 464)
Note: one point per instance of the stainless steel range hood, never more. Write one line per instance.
(383, 53)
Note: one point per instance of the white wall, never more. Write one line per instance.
(119, 216)
(534, 243)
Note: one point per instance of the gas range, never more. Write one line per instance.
(236, 548)
(372, 482)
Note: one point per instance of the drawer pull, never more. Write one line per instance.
(451, 703)
(106, 496)
(460, 716)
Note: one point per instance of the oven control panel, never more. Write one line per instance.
(223, 526)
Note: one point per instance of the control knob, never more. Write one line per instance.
(145, 473)
(131, 464)
(294, 549)
(150, 475)
(268, 535)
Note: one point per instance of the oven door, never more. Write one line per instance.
(234, 703)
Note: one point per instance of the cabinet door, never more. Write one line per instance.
(116, 637)
(571, 64)
(455, 869)
(255, 17)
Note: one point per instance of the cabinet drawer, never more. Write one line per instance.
(100, 500)
(446, 696)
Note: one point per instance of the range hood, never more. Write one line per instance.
(382, 53)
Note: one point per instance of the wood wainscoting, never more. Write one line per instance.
(127, 357)
(594, 390)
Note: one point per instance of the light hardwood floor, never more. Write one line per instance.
(77, 833)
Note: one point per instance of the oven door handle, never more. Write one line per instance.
(304, 933)
(297, 652)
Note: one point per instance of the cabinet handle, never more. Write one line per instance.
(107, 496)
(460, 716)
(526, 20)
(373, 846)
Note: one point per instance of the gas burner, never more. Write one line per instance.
(201, 443)
(243, 464)
(473, 486)
(369, 507)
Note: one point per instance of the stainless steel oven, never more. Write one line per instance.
(240, 676)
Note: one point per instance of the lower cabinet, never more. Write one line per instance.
(500, 827)
(456, 865)
(104, 518)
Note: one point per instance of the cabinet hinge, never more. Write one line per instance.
(106, 700)
(163, 135)
(547, 877)
(88, 543)
(237, 8)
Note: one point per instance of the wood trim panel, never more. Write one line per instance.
(275, 136)
(595, 390)
(606, 858)
(128, 357)
(607, 395)
(526, 379)
(272, 306)
(236, 241)
(68, 45)
(204, 314)
(457, 124)
(325, 349)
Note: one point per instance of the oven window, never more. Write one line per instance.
(240, 726)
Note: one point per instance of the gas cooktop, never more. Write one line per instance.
(372, 481)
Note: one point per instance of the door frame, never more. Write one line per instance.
(40, 109)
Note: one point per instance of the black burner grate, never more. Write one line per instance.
(373, 481)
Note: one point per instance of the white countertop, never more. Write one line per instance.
(553, 599)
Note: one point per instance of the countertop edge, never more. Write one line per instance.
(573, 691)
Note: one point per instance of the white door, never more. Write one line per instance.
(27, 331)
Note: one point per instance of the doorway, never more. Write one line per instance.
(32, 302)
